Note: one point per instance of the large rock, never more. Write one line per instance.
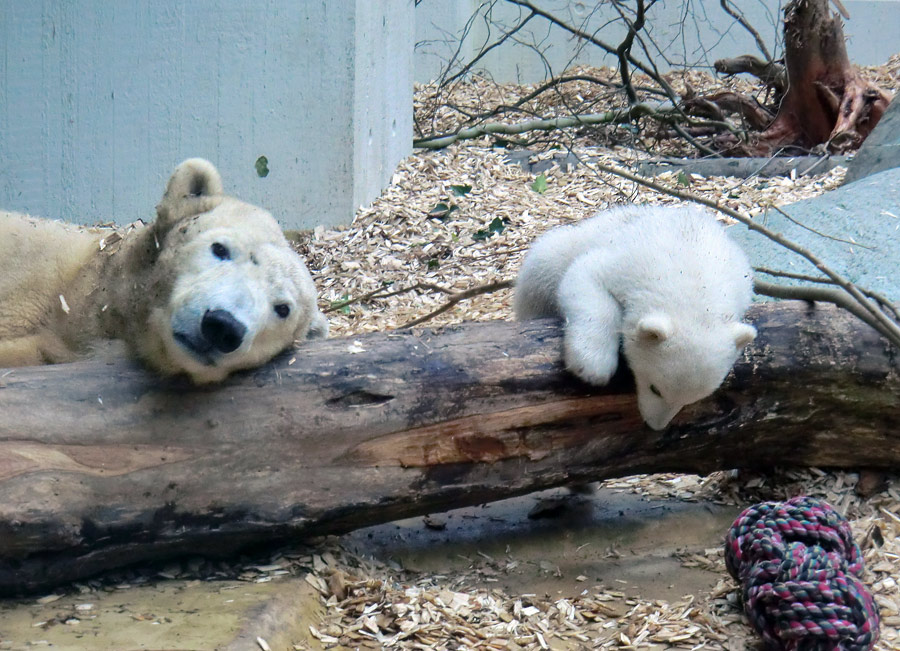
(854, 229)
(881, 150)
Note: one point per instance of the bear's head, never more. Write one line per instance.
(225, 290)
(675, 366)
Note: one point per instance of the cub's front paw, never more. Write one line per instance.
(593, 365)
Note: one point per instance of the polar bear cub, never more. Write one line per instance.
(210, 287)
(665, 281)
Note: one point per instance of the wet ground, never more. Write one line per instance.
(169, 615)
(619, 540)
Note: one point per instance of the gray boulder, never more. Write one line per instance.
(854, 229)
(881, 150)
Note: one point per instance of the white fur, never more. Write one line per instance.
(155, 287)
(665, 281)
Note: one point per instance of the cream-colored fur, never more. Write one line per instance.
(210, 287)
(665, 282)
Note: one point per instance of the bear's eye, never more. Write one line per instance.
(655, 391)
(282, 310)
(220, 251)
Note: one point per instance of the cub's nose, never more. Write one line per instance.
(222, 330)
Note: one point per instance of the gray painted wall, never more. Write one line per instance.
(100, 100)
(697, 37)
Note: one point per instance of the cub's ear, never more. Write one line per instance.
(195, 187)
(743, 334)
(654, 329)
(318, 329)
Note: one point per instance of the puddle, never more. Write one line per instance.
(620, 540)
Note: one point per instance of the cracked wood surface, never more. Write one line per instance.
(102, 465)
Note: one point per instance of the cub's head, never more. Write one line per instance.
(675, 365)
(226, 291)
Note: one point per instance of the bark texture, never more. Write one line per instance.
(102, 464)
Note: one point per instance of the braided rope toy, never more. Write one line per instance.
(800, 571)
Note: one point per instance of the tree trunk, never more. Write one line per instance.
(827, 101)
(103, 465)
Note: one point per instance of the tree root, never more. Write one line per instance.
(827, 101)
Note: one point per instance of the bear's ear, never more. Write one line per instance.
(195, 187)
(654, 329)
(743, 334)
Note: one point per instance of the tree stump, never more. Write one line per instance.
(826, 100)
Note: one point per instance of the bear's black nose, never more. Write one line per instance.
(222, 330)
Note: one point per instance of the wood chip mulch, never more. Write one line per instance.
(463, 217)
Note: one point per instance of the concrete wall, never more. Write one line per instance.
(694, 37)
(100, 100)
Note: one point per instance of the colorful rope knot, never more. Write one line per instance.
(800, 572)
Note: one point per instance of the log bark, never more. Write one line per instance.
(102, 464)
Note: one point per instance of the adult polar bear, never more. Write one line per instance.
(211, 286)
(666, 280)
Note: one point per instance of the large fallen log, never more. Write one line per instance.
(102, 465)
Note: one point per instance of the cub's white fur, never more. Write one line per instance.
(666, 281)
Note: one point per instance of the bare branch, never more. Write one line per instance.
(624, 49)
(770, 73)
(500, 41)
(754, 114)
(883, 302)
(650, 72)
(385, 292)
(496, 128)
(739, 17)
(822, 294)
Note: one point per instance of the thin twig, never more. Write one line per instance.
(467, 29)
(739, 17)
(468, 67)
(819, 233)
(753, 174)
(793, 276)
(385, 292)
(456, 298)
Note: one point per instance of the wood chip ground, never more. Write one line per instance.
(433, 227)
(405, 239)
